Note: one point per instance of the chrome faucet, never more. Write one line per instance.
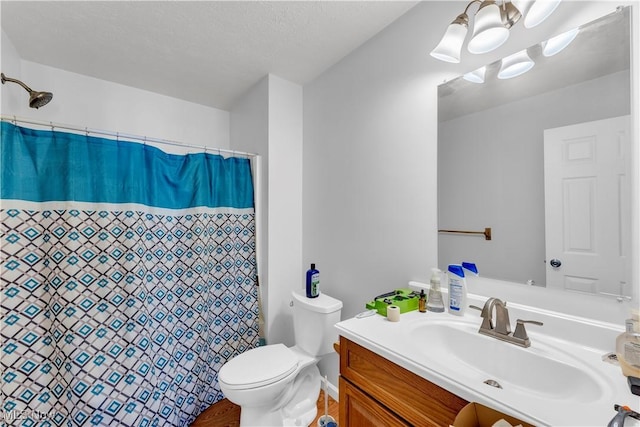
(502, 329)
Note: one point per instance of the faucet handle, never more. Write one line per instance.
(521, 332)
(503, 324)
(486, 319)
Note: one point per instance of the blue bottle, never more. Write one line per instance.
(457, 290)
(471, 267)
(313, 282)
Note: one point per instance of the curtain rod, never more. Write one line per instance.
(119, 135)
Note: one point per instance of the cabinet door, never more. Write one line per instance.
(359, 410)
(418, 401)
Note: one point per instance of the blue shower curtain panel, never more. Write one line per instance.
(128, 279)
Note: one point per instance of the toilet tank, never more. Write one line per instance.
(313, 321)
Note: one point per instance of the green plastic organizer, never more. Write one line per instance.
(405, 299)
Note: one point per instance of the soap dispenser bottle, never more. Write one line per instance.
(628, 346)
(434, 299)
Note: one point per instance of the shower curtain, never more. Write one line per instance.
(128, 279)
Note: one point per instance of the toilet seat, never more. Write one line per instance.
(259, 367)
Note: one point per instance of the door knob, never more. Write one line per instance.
(555, 263)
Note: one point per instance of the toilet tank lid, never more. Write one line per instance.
(321, 304)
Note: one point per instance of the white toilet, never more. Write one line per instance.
(275, 385)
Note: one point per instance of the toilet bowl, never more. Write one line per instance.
(275, 385)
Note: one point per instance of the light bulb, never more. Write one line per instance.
(475, 76)
(515, 65)
(451, 44)
(558, 43)
(539, 11)
(488, 30)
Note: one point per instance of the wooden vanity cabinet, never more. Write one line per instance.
(358, 409)
(377, 392)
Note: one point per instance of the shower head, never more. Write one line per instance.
(39, 99)
(36, 99)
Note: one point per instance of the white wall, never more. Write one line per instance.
(268, 120)
(370, 137)
(10, 64)
(249, 127)
(84, 101)
(478, 189)
(285, 205)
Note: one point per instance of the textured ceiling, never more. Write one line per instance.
(207, 52)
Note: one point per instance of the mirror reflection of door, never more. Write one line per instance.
(587, 207)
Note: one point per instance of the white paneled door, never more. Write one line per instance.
(587, 207)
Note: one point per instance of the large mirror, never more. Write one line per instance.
(492, 172)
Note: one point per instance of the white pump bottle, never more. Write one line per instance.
(434, 299)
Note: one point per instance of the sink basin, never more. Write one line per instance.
(541, 369)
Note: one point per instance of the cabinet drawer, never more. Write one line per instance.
(415, 399)
(359, 410)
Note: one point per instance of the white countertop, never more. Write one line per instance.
(397, 342)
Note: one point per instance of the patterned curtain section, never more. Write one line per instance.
(128, 279)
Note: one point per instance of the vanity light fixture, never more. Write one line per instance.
(535, 11)
(448, 49)
(488, 30)
(515, 65)
(556, 44)
(476, 76)
(492, 22)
